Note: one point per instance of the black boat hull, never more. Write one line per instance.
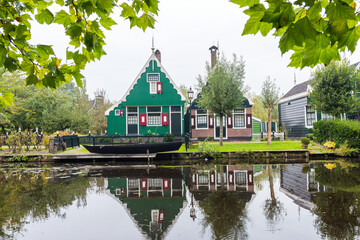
(134, 148)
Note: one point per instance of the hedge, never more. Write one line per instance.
(339, 131)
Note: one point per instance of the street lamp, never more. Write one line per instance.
(190, 96)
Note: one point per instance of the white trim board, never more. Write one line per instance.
(147, 64)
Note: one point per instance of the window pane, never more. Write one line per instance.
(175, 109)
(201, 121)
(240, 178)
(154, 109)
(239, 111)
(132, 119)
(154, 119)
(201, 111)
(239, 120)
(132, 109)
(153, 87)
(153, 77)
(310, 116)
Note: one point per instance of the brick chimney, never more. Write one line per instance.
(158, 55)
(213, 51)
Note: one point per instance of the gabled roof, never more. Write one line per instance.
(298, 91)
(147, 64)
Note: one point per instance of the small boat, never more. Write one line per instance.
(134, 148)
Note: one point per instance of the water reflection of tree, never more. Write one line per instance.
(274, 210)
(30, 195)
(338, 211)
(226, 214)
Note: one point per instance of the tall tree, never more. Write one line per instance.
(259, 111)
(269, 98)
(222, 88)
(334, 87)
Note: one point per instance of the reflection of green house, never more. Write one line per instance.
(152, 202)
(152, 104)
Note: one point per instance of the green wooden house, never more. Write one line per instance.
(153, 104)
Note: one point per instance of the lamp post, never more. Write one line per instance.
(190, 96)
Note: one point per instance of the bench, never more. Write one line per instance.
(193, 141)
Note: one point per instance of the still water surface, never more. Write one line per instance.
(302, 201)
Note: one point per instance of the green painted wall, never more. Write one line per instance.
(140, 96)
(256, 126)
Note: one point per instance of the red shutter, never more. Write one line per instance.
(159, 87)
(193, 122)
(231, 177)
(122, 112)
(166, 184)
(143, 119)
(229, 121)
(211, 121)
(143, 183)
(248, 121)
(161, 216)
(165, 118)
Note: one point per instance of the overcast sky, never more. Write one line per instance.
(183, 33)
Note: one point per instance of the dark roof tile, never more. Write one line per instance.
(299, 88)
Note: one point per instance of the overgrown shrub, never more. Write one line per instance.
(207, 150)
(310, 136)
(338, 131)
(45, 140)
(346, 151)
(14, 142)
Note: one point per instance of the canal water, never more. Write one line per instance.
(140, 201)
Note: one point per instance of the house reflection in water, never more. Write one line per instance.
(153, 199)
(298, 183)
(230, 178)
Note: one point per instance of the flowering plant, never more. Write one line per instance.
(330, 144)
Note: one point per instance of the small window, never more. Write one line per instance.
(132, 109)
(325, 116)
(175, 109)
(153, 77)
(239, 118)
(154, 116)
(153, 89)
(310, 116)
(201, 118)
(117, 112)
(289, 103)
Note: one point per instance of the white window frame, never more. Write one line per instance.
(202, 114)
(147, 117)
(306, 125)
(153, 84)
(233, 118)
(117, 112)
(138, 116)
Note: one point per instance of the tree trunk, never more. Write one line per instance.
(271, 181)
(269, 125)
(221, 130)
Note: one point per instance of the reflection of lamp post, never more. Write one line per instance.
(192, 209)
(190, 96)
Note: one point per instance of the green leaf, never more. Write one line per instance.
(146, 20)
(265, 28)
(245, 3)
(89, 40)
(74, 31)
(314, 12)
(45, 16)
(10, 64)
(63, 18)
(44, 50)
(107, 23)
(3, 52)
(8, 28)
(288, 40)
(350, 38)
(78, 77)
(31, 80)
(252, 26)
(127, 11)
(339, 11)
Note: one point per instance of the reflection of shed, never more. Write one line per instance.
(152, 199)
(297, 185)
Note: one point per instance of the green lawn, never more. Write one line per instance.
(234, 147)
(251, 146)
